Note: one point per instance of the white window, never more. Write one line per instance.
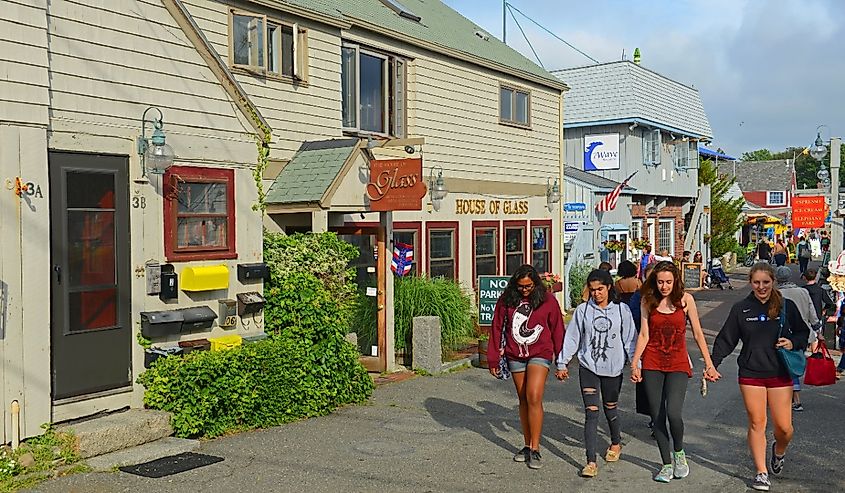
(268, 47)
(776, 198)
(682, 155)
(514, 106)
(666, 236)
(651, 147)
(636, 229)
(372, 91)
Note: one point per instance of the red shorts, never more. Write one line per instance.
(769, 383)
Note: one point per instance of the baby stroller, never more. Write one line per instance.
(716, 275)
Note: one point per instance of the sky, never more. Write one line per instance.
(769, 71)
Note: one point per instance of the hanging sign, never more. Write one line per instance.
(574, 206)
(396, 185)
(808, 211)
(601, 152)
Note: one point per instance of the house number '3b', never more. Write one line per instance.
(139, 202)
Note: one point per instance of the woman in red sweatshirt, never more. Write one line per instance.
(530, 320)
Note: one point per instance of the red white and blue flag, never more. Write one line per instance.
(403, 258)
(608, 203)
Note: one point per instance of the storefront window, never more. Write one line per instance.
(540, 248)
(665, 238)
(441, 253)
(514, 248)
(486, 251)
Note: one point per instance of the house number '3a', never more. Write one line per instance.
(139, 202)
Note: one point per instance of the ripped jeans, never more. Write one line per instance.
(591, 385)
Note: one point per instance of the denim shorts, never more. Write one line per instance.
(519, 365)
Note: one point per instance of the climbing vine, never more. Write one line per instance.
(262, 142)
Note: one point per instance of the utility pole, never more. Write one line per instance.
(836, 229)
(505, 21)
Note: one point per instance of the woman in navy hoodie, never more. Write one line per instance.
(763, 377)
(531, 321)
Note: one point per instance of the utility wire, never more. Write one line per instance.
(551, 33)
(526, 37)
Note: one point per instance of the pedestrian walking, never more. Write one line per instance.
(585, 293)
(804, 253)
(634, 304)
(764, 321)
(529, 319)
(602, 335)
(802, 300)
(764, 250)
(627, 284)
(666, 366)
(780, 253)
(645, 260)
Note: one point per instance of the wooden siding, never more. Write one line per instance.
(24, 81)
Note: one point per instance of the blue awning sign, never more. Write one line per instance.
(574, 206)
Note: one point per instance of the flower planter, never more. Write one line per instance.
(482, 353)
(557, 287)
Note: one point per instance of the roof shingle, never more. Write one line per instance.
(311, 172)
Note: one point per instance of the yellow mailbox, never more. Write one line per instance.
(205, 278)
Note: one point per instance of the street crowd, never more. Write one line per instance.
(640, 320)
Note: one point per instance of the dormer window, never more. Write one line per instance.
(776, 198)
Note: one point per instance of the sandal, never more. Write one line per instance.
(611, 456)
(590, 471)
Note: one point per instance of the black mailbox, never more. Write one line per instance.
(197, 318)
(253, 272)
(249, 303)
(169, 283)
(159, 324)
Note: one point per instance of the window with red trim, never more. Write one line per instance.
(442, 249)
(485, 239)
(515, 247)
(541, 247)
(199, 213)
(409, 233)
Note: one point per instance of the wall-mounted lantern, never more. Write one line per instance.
(436, 187)
(156, 154)
(552, 194)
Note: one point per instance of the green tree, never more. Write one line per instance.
(758, 155)
(725, 213)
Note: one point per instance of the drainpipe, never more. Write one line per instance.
(16, 425)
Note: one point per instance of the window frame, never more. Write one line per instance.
(770, 202)
(512, 121)
(299, 48)
(682, 162)
(671, 246)
(506, 225)
(416, 228)
(651, 147)
(395, 114)
(452, 226)
(197, 174)
(495, 225)
(541, 223)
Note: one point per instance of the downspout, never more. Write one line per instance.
(561, 158)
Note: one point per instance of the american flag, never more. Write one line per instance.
(609, 202)
(403, 258)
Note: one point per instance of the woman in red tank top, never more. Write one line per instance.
(666, 365)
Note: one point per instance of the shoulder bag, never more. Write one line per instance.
(793, 359)
(504, 370)
(821, 370)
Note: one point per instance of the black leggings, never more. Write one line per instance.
(667, 388)
(610, 387)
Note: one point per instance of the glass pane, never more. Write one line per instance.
(485, 266)
(90, 190)
(372, 93)
(349, 96)
(441, 245)
(485, 242)
(505, 104)
(538, 238)
(91, 255)
(202, 198)
(521, 108)
(256, 42)
(442, 268)
(287, 50)
(273, 47)
(513, 240)
(512, 262)
(201, 232)
(366, 245)
(540, 261)
(248, 40)
(92, 309)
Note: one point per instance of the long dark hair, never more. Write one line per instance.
(512, 296)
(776, 298)
(651, 294)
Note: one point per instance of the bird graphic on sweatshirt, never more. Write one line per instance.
(521, 333)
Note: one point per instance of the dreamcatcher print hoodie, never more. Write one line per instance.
(529, 333)
(603, 338)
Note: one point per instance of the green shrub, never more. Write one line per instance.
(577, 280)
(416, 297)
(299, 301)
(323, 255)
(275, 381)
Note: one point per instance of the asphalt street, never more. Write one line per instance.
(458, 432)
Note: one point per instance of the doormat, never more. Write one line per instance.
(173, 464)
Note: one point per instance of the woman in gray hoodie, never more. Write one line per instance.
(603, 336)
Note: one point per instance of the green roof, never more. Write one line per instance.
(311, 172)
(439, 26)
